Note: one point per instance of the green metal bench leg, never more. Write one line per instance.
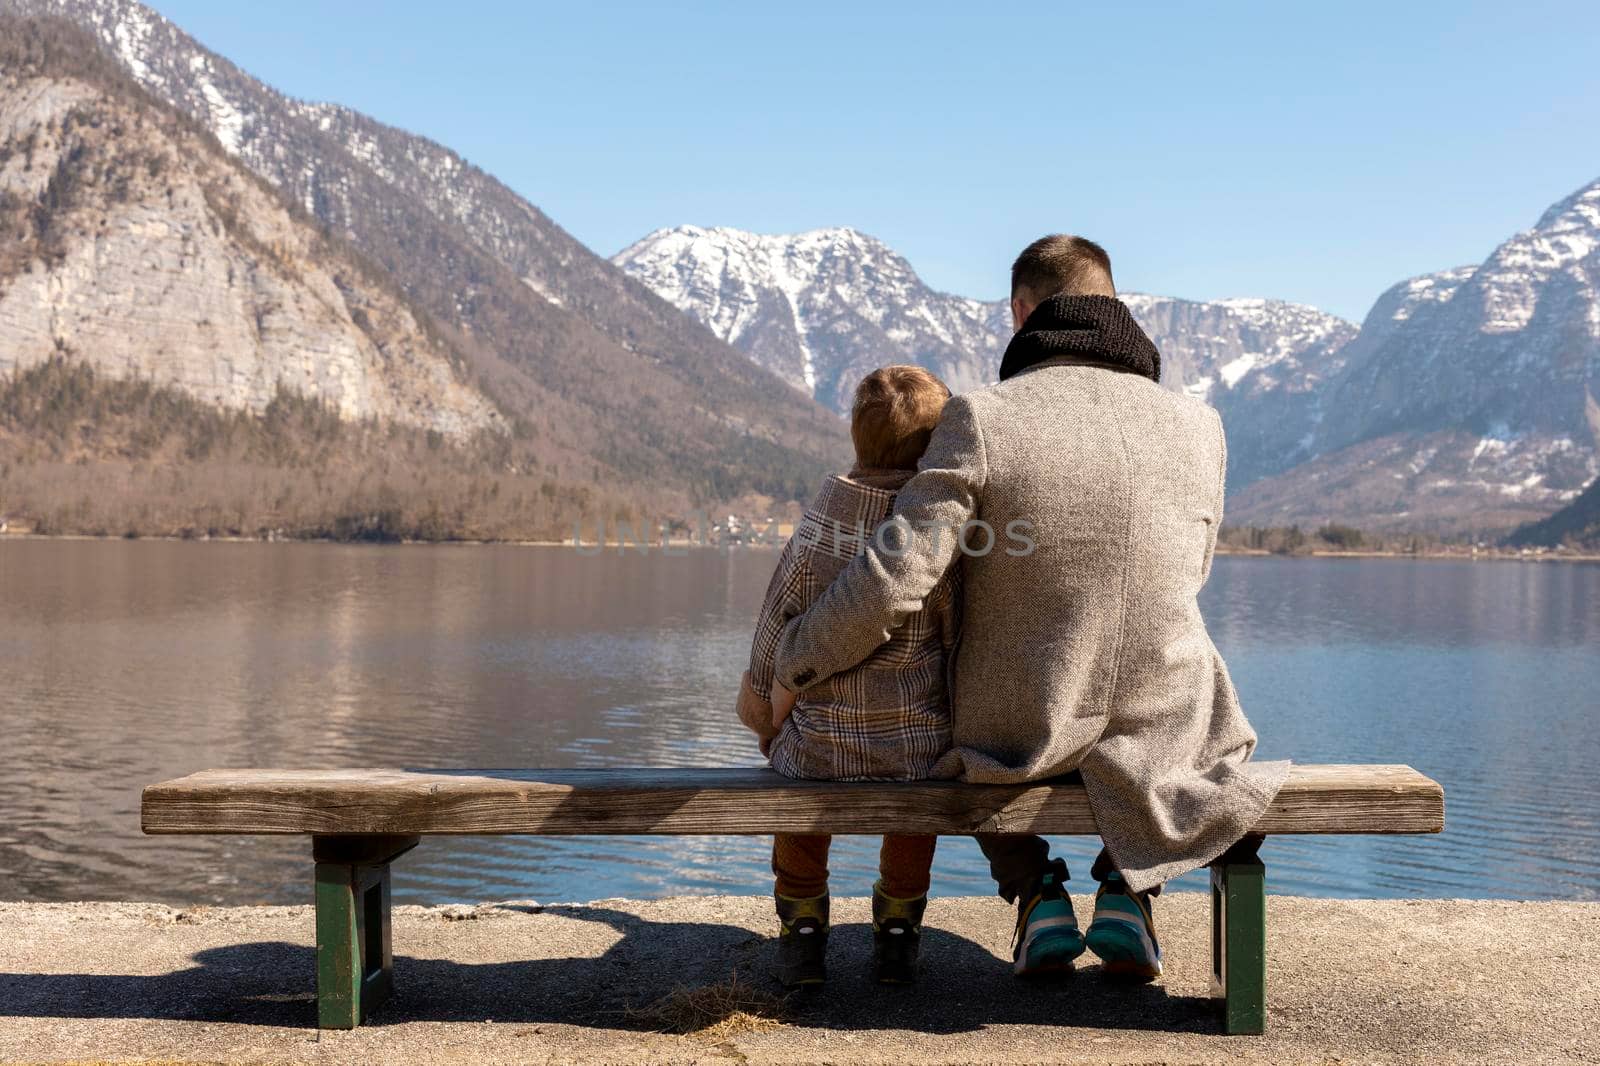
(355, 956)
(1239, 937)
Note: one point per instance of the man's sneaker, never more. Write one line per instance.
(1123, 932)
(802, 941)
(896, 937)
(1047, 937)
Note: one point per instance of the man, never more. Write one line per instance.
(1082, 501)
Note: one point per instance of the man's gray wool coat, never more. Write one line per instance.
(1088, 652)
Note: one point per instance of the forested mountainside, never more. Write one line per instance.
(83, 453)
(1577, 525)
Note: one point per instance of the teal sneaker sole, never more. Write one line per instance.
(1123, 950)
(1051, 952)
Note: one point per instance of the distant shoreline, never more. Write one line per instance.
(1552, 555)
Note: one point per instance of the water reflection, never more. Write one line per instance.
(126, 663)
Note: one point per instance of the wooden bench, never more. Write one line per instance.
(359, 821)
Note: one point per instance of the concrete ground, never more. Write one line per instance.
(1434, 981)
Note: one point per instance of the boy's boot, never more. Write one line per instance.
(896, 936)
(1047, 937)
(1123, 932)
(802, 941)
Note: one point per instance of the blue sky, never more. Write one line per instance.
(1313, 152)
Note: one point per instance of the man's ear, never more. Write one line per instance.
(1020, 310)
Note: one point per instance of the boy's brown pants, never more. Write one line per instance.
(800, 864)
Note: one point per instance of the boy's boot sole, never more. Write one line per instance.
(802, 942)
(894, 971)
(896, 937)
(804, 971)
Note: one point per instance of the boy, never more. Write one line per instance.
(885, 719)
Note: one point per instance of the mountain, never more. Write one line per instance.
(581, 358)
(1468, 400)
(131, 240)
(822, 308)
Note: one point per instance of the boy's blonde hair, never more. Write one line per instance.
(895, 410)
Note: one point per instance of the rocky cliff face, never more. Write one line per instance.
(823, 308)
(582, 357)
(131, 241)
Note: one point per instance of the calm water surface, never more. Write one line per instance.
(126, 663)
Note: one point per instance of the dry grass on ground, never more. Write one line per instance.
(714, 1012)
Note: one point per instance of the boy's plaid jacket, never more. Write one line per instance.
(887, 718)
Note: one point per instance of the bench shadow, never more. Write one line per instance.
(965, 987)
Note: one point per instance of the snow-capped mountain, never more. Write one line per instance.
(1513, 344)
(820, 309)
(823, 308)
(1483, 379)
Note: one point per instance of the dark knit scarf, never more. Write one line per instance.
(1096, 329)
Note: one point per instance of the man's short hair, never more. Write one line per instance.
(895, 410)
(1061, 263)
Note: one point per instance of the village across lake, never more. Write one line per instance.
(131, 662)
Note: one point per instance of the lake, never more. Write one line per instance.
(125, 663)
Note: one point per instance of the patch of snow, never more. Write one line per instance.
(1437, 288)
(227, 122)
(1486, 445)
(131, 36)
(539, 287)
(1235, 369)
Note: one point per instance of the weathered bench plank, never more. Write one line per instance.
(1316, 799)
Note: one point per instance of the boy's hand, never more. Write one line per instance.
(756, 713)
(782, 703)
